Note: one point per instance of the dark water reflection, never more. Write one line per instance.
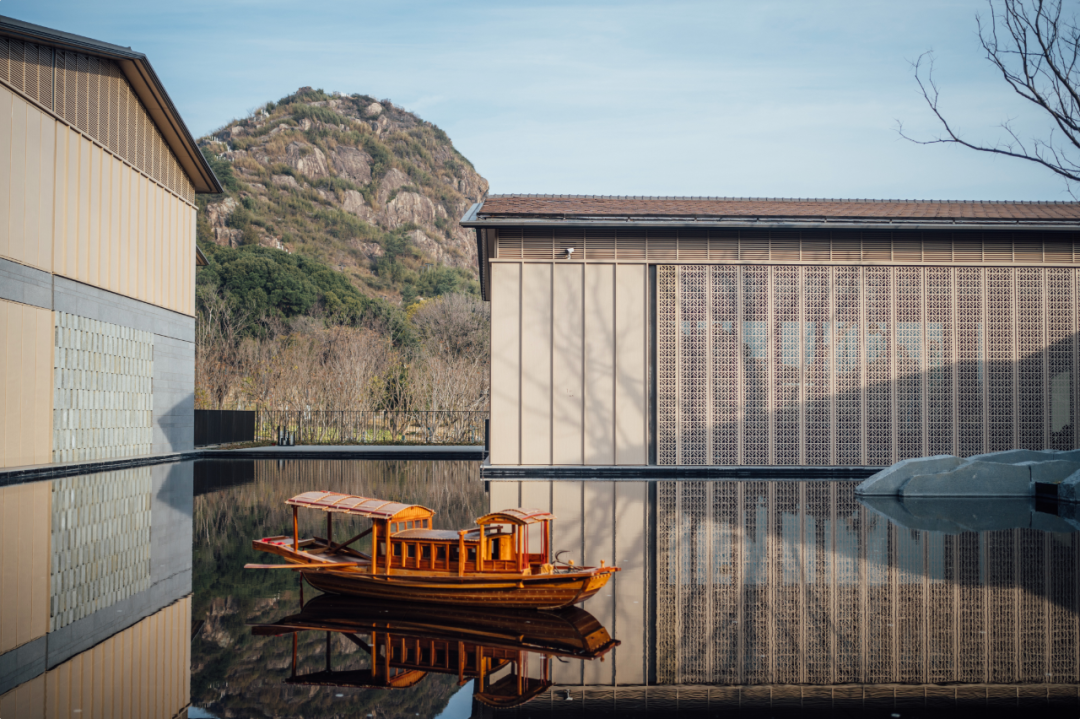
(759, 597)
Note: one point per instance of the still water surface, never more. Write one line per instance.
(757, 597)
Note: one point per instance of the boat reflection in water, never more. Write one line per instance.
(507, 652)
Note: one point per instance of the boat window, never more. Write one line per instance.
(453, 553)
(440, 656)
(495, 549)
(472, 554)
(440, 553)
(397, 549)
(426, 551)
(409, 524)
(411, 550)
(426, 523)
(382, 549)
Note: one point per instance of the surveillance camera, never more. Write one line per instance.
(569, 252)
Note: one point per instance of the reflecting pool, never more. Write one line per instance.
(124, 594)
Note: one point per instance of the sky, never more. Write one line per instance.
(770, 98)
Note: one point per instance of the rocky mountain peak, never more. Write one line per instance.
(336, 177)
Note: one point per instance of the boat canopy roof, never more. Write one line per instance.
(517, 515)
(354, 504)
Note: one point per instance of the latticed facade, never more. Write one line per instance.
(682, 331)
(798, 583)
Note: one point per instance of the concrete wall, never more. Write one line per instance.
(569, 364)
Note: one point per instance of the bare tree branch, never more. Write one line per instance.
(1036, 49)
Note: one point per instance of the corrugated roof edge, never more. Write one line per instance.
(779, 199)
(19, 29)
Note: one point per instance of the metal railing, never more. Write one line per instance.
(222, 426)
(372, 426)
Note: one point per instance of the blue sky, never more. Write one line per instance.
(771, 98)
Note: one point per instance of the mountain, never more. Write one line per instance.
(358, 185)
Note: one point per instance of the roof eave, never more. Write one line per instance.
(145, 83)
(480, 221)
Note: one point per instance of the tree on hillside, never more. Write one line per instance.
(1035, 46)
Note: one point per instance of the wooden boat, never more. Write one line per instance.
(404, 643)
(486, 565)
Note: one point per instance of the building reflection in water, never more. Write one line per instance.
(794, 593)
(95, 594)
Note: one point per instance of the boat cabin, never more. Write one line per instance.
(403, 537)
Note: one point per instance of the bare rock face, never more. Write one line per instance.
(355, 204)
(285, 181)
(307, 159)
(353, 163)
(392, 180)
(409, 207)
(344, 148)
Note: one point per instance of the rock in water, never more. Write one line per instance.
(888, 481)
(972, 479)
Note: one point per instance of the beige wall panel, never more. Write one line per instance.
(505, 364)
(142, 253)
(188, 261)
(567, 364)
(186, 644)
(47, 188)
(72, 173)
(630, 589)
(16, 219)
(153, 665)
(115, 195)
(30, 185)
(9, 565)
(536, 495)
(82, 219)
(631, 327)
(567, 538)
(6, 148)
(93, 275)
(123, 229)
(566, 505)
(599, 540)
(25, 384)
(599, 364)
(142, 634)
(108, 679)
(503, 495)
(26, 701)
(536, 364)
(59, 196)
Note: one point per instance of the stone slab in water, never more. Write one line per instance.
(1015, 456)
(1052, 471)
(972, 479)
(888, 481)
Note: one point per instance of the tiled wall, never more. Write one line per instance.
(106, 557)
(103, 401)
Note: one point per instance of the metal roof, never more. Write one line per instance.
(352, 504)
(517, 515)
(510, 210)
(144, 82)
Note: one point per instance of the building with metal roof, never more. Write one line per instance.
(98, 177)
(703, 331)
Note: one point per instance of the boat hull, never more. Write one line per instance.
(539, 592)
